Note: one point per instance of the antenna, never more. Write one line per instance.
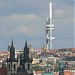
(49, 28)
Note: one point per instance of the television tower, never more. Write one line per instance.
(49, 28)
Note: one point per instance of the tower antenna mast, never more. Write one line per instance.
(49, 28)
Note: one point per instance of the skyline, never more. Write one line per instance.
(28, 18)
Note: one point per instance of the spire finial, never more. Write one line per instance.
(12, 40)
(26, 37)
(26, 42)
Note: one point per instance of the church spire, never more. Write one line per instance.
(26, 44)
(12, 51)
(26, 51)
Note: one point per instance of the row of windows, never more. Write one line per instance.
(14, 66)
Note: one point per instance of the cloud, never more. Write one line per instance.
(14, 21)
(20, 24)
(20, 17)
(26, 30)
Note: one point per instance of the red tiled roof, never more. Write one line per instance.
(68, 73)
(56, 73)
(65, 73)
(72, 48)
(39, 72)
(5, 53)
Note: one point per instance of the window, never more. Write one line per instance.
(48, 70)
(9, 66)
(28, 66)
(14, 67)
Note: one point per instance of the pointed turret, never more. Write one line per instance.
(26, 44)
(26, 51)
(12, 62)
(12, 43)
(27, 61)
(12, 52)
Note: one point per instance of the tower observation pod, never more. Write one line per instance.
(49, 28)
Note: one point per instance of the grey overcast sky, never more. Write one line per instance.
(28, 18)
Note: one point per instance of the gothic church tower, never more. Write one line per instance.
(27, 60)
(12, 62)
